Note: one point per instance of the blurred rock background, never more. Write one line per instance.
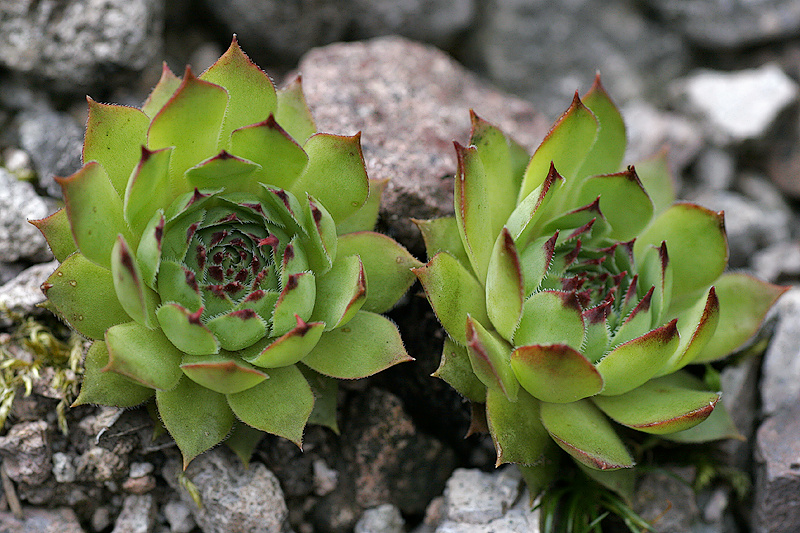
(715, 81)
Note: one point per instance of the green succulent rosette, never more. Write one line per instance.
(574, 292)
(219, 253)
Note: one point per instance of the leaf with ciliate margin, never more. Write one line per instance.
(367, 215)
(441, 235)
(184, 330)
(473, 209)
(243, 441)
(293, 112)
(584, 432)
(325, 391)
(555, 373)
(550, 317)
(224, 170)
(609, 148)
(56, 230)
(163, 91)
(138, 300)
(144, 355)
(83, 294)
(489, 355)
(505, 291)
(287, 349)
(148, 254)
(296, 299)
(289, 399)
(341, 292)
(387, 266)
(455, 368)
(517, 432)
(225, 372)
(454, 293)
(364, 346)
(696, 327)
(657, 179)
(148, 188)
(196, 417)
(108, 388)
(622, 481)
(238, 329)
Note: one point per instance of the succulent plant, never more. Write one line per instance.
(219, 253)
(574, 292)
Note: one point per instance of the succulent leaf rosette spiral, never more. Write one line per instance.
(219, 253)
(574, 293)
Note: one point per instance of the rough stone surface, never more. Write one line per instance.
(234, 498)
(179, 516)
(55, 142)
(18, 204)
(138, 514)
(384, 518)
(738, 106)
(23, 293)
(667, 502)
(777, 509)
(778, 263)
(740, 398)
(715, 168)
(476, 497)
(780, 380)
(546, 50)
(36, 520)
(410, 102)
(722, 24)
(74, 44)
(26, 452)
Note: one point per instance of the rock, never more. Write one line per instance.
(715, 169)
(23, 293)
(99, 465)
(738, 106)
(721, 24)
(36, 520)
(26, 452)
(777, 508)
(138, 515)
(73, 45)
(18, 204)
(780, 379)
(63, 469)
(384, 518)
(54, 141)
(325, 478)
(740, 398)
(234, 498)
(179, 516)
(779, 263)
(410, 102)
(667, 500)
(545, 51)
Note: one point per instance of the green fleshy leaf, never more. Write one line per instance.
(364, 346)
(456, 369)
(657, 407)
(185, 330)
(536, 259)
(148, 188)
(622, 481)
(108, 388)
(596, 338)
(163, 91)
(534, 211)
(505, 289)
(335, 174)
(282, 160)
(238, 329)
(224, 373)
(251, 94)
(518, 434)
(138, 300)
(56, 230)
(326, 395)
(293, 113)
(583, 431)
(555, 373)
(698, 249)
(243, 441)
(296, 300)
(322, 243)
(656, 177)
(287, 349)
(473, 210)
(441, 235)
(196, 417)
(83, 294)
(541, 475)
(367, 216)
(743, 304)
(550, 317)
(565, 146)
(696, 327)
(95, 213)
(623, 201)
(223, 171)
(637, 322)
(148, 255)
(190, 121)
(490, 356)
(176, 283)
(656, 271)
(632, 364)
(341, 292)
(387, 266)
(453, 293)
(114, 136)
(144, 355)
(280, 405)
(718, 426)
(608, 150)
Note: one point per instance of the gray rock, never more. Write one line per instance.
(715, 169)
(780, 379)
(234, 498)
(384, 518)
(26, 452)
(545, 50)
(667, 498)
(74, 44)
(55, 142)
(723, 24)
(63, 469)
(18, 204)
(740, 398)
(777, 508)
(138, 514)
(410, 102)
(37, 520)
(738, 106)
(778, 263)
(179, 516)
(23, 293)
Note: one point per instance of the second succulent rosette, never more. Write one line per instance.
(219, 253)
(574, 293)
